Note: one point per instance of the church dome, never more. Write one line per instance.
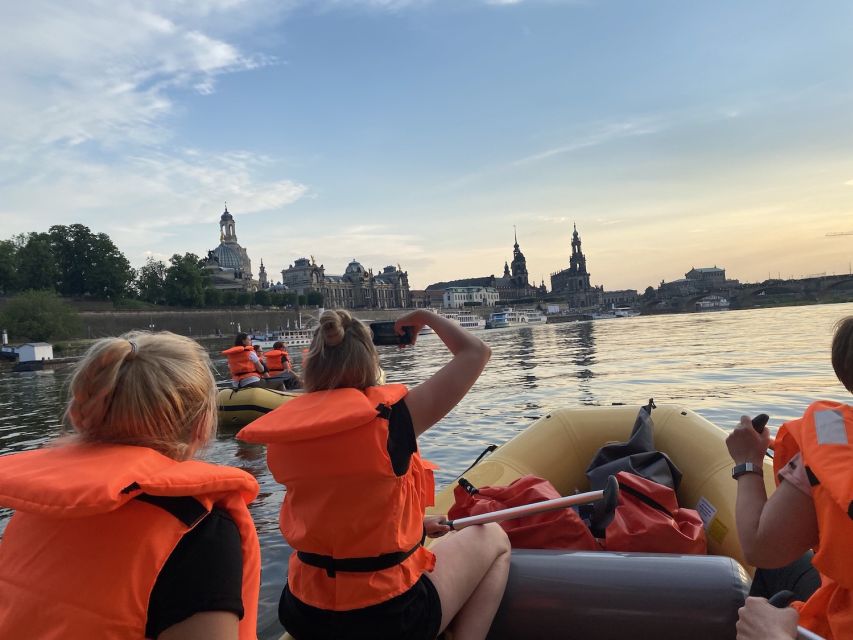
(228, 257)
(226, 216)
(355, 268)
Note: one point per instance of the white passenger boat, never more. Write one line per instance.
(290, 337)
(516, 317)
(465, 319)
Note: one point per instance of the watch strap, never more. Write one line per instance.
(746, 467)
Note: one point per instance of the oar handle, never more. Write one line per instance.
(760, 421)
(781, 600)
(535, 507)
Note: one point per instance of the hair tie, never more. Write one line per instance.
(133, 350)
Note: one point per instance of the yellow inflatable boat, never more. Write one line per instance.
(619, 596)
(237, 408)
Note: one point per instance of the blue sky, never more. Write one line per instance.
(676, 134)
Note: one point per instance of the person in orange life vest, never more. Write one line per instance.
(812, 507)
(278, 360)
(117, 533)
(279, 367)
(245, 365)
(357, 490)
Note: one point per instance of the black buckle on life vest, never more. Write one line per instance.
(383, 411)
(813, 481)
(357, 565)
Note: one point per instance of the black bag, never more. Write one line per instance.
(637, 456)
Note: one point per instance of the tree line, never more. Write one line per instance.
(73, 261)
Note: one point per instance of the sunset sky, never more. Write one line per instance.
(675, 134)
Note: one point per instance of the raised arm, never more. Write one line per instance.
(772, 532)
(431, 400)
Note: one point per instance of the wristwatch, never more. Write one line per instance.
(746, 467)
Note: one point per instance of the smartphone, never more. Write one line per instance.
(384, 334)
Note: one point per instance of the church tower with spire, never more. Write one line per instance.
(519, 266)
(574, 282)
(263, 283)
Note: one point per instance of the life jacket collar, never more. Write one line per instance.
(28, 480)
(322, 413)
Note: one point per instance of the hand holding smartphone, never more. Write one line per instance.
(384, 334)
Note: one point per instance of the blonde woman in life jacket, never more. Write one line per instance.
(357, 490)
(117, 532)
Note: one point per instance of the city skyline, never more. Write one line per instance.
(422, 131)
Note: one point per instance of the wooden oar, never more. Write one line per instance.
(609, 494)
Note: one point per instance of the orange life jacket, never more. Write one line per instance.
(239, 364)
(824, 436)
(81, 554)
(277, 361)
(356, 526)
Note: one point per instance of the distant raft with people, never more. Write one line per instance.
(238, 407)
(616, 595)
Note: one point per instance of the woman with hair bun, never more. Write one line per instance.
(357, 490)
(117, 532)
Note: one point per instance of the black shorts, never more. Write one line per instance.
(413, 615)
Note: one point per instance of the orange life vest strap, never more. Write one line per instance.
(357, 565)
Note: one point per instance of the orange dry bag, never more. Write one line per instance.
(649, 519)
(557, 529)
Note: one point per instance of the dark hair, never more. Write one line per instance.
(238, 341)
(278, 345)
(842, 352)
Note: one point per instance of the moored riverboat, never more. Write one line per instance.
(516, 317)
(465, 319)
(290, 337)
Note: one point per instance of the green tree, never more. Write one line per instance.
(314, 299)
(229, 298)
(244, 298)
(212, 297)
(8, 266)
(263, 298)
(649, 294)
(89, 264)
(151, 281)
(37, 267)
(185, 281)
(40, 315)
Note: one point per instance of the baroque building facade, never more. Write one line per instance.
(228, 265)
(357, 288)
(573, 283)
(512, 285)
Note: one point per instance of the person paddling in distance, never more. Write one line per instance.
(357, 490)
(117, 532)
(244, 364)
(812, 508)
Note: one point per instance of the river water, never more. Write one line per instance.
(721, 365)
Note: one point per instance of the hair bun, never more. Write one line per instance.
(333, 325)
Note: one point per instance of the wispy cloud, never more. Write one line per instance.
(88, 93)
(599, 136)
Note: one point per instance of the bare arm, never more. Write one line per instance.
(207, 625)
(255, 359)
(431, 400)
(772, 532)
